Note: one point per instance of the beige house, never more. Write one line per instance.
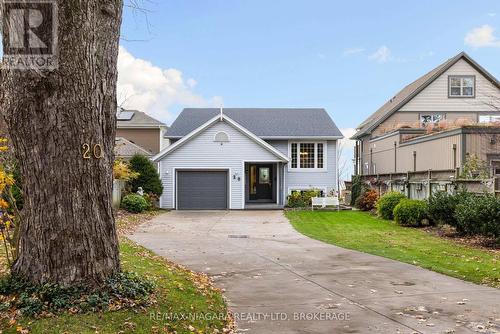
(431, 125)
(136, 131)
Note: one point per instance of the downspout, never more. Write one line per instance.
(395, 158)
(356, 158)
(337, 167)
(371, 162)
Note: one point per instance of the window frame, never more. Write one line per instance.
(315, 169)
(461, 77)
(489, 120)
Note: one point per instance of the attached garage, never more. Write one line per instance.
(202, 190)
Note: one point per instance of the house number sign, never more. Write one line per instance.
(90, 151)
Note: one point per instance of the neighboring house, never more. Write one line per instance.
(142, 130)
(243, 158)
(432, 124)
(125, 149)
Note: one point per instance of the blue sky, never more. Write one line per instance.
(306, 53)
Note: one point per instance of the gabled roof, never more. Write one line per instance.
(139, 120)
(125, 148)
(210, 122)
(263, 122)
(410, 91)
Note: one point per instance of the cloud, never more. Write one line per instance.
(149, 88)
(482, 37)
(492, 14)
(352, 51)
(347, 143)
(382, 55)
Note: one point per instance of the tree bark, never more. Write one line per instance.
(68, 233)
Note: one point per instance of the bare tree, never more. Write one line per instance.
(493, 102)
(62, 127)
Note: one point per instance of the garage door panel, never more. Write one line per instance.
(202, 190)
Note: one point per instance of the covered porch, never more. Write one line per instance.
(263, 185)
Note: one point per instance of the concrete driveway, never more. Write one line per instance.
(279, 281)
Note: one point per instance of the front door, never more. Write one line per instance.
(261, 182)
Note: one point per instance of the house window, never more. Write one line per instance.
(294, 155)
(320, 155)
(264, 175)
(489, 119)
(322, 191)
(430, 119)
(461, 86)
(307, 156)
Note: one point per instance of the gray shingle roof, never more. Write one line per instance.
(139, 119)
(263, 122)
(126, 149)
(407, 93)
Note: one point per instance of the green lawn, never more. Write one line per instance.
(366, 233)
(180, 293)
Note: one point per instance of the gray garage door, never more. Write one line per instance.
(201, 190)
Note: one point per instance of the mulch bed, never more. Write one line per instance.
(448, 232)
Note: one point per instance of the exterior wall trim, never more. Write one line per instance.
(140, 126)
(430, 137)
(303, 137)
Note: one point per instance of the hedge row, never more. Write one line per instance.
(470, 214)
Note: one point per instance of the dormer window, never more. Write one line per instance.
(461, 86)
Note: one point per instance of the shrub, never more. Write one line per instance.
(387, 203)
(474, 168)
(478, 215)
(152, 200)
(358, 187)
(134, 203)
(410, 212)
(148, 177)
(442, 206)
(367, 200)
(302, 199)
(124, 290)
(123, 172)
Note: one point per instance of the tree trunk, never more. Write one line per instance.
(68, 233)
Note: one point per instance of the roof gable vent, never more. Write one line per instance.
(221, 137)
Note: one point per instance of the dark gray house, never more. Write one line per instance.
(235, 158)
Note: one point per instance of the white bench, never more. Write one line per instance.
(323, 202)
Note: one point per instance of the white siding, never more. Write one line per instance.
(435, 96)
(202, 152)
(324, 179)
